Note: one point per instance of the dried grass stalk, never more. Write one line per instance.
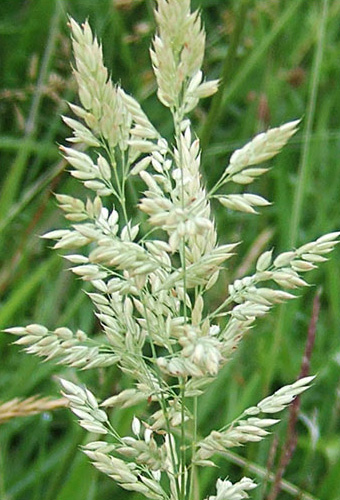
(31, 406)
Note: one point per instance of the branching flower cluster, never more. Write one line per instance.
(150, 291)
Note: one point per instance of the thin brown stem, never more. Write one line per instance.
(291, 435)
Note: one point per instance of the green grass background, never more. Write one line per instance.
(279, 60)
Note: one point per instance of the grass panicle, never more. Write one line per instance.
(171, 311)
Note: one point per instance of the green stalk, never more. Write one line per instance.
(177, 121)
(161, 399)
(193, 445)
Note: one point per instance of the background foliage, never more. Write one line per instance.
(280, 61)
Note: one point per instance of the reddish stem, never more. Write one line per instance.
(291, 435)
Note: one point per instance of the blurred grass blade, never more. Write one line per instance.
(305, 165)
(30, 193)
(227, 72)
(260, 50)
(261, 472)
(12, 183)
(22, 293)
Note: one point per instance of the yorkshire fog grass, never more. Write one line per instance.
(158, 380)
